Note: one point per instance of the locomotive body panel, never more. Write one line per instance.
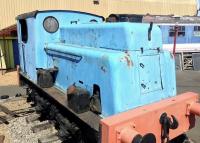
(118, 66)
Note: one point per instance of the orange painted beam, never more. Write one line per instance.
(121, 128)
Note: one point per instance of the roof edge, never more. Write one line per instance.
(27, 15)
(33, 14)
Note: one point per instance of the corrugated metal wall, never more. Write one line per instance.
(9, 9)
(154, 7)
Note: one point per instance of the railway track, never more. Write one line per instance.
(28, 122)
(23, 123)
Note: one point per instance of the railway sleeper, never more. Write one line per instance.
(32, 118)
(49, 138)
(43, 126)
(7, 111)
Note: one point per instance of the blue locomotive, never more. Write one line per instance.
(97, 74)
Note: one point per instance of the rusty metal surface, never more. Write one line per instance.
(9, 31)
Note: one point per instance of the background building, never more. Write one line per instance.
(9, 9)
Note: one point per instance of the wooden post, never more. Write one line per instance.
(2, 137)
(18, 76)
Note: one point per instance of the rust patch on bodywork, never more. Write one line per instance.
(129, 61)
(71, 89)
(127, 57)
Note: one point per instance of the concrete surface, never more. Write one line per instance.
(190, 81)
(8, 78)
(12, 90)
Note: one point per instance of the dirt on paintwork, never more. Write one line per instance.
(127, 59)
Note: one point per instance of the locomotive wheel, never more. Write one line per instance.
(69, 131)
